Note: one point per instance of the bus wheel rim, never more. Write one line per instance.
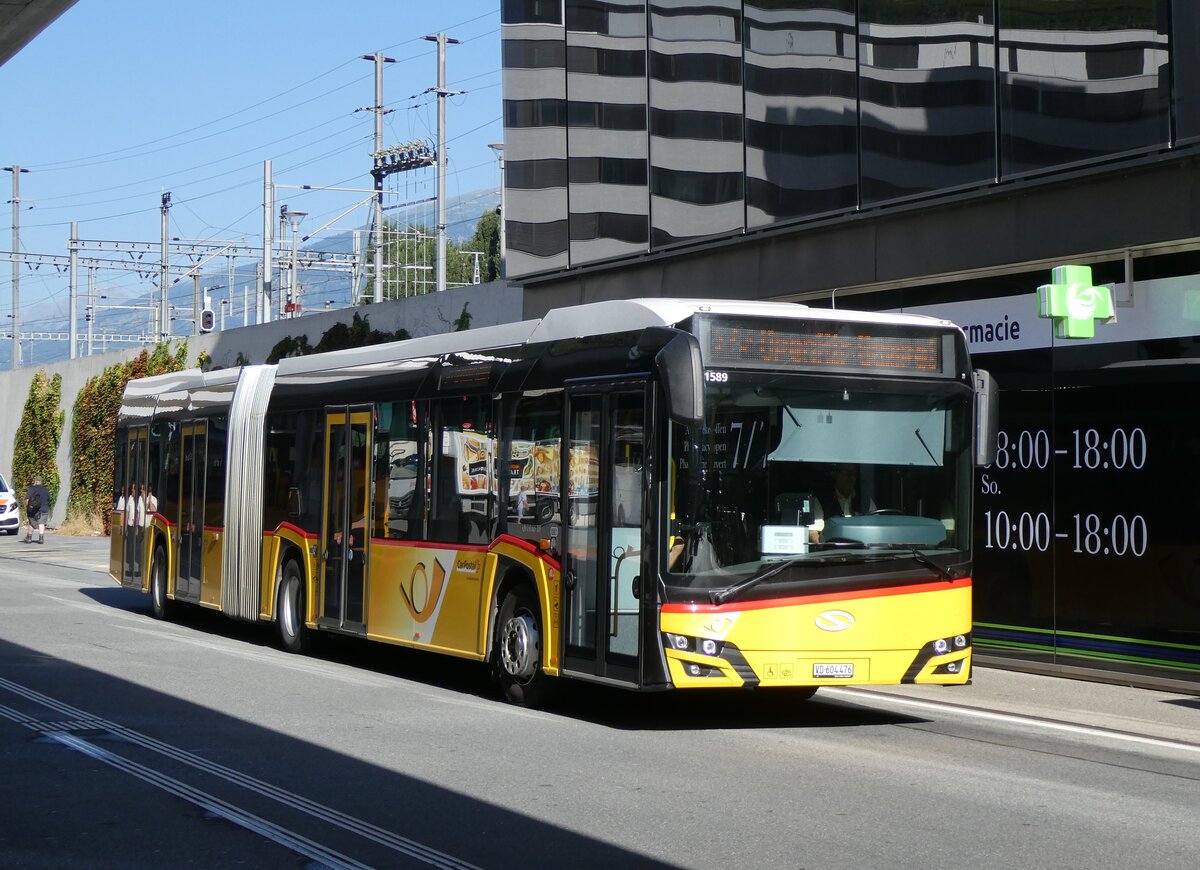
(289, 610)
(519, 647)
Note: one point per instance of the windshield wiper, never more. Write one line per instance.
(917, 432)
(720, 596)
(723, 596)
(911, 551)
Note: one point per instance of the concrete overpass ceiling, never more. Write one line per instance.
(22, 20)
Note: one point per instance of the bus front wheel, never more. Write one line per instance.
(160, 605)
(518, 648)
(289, 611)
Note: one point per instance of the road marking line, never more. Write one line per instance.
(256, 825)
(364, 829)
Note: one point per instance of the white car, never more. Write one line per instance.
(10, 514)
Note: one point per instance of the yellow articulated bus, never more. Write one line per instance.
(654, 494)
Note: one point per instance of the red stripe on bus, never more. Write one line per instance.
(428, 545)
(528, 546)
(792, 601)
(291, 528)
(478, 548)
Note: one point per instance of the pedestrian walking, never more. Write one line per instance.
(37, 510)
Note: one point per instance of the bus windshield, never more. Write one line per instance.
(796, 475)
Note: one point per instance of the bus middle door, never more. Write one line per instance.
(603, 554)
(346, 526)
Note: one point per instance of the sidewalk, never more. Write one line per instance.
(1150, 713)
(83, 553)
(1165, 715)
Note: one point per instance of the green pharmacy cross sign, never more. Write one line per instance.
(1073, 303)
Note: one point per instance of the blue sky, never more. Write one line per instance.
(120, 100)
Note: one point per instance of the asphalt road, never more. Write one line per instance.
(127, 742)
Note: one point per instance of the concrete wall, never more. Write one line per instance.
(488, 305)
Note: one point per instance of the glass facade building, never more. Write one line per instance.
(931, 157)
(635, 127)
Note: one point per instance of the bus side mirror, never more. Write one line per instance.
(987, 417)
(682, 378)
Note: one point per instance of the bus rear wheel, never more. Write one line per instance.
(517, 651)
(289, 611)
(160, 605)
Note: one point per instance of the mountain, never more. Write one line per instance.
(320, 288)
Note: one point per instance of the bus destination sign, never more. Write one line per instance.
(822, 345)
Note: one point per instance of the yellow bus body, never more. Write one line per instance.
(439, 598)
(885, 636)
(420, 595)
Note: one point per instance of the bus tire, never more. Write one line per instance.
(161, 606)
(517, 648)
(294, 635)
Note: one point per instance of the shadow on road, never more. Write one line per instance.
(63, 821)
(695, 710)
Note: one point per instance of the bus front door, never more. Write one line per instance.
(346, 524)
(603, 553)
(191, 510)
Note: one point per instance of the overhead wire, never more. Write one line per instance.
(146, 148)
(234, 114)
(257, 179)
(159, 178)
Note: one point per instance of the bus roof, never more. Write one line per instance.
(577, 321)
(194, 388)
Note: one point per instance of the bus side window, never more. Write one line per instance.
(532, 448)
(214, 494)
(462, 492)
(397, 473)
(277, 467)
(170, 436)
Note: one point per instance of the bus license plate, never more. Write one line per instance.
(836, 670)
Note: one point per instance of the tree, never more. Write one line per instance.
(487, 240)
(410, 256)
(289, 346)
(463, 322)
(409, 259)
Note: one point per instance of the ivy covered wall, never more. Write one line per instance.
(94, 424)
(35, 447)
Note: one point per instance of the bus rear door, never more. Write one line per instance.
(191, 510)
(603, 535)
(132, 539)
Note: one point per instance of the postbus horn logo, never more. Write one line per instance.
(1073, 303)
(834, 620)
(420, 595)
